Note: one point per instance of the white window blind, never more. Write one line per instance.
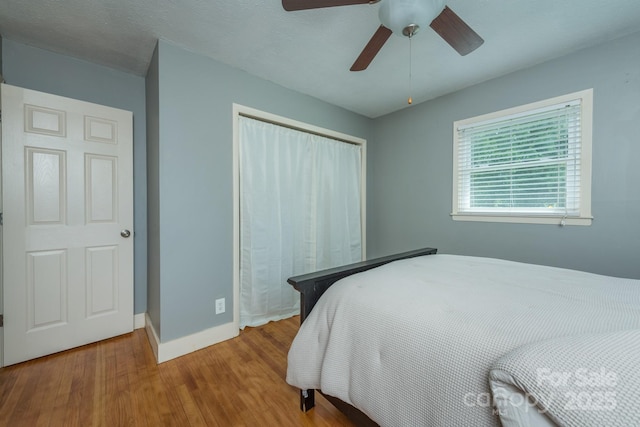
(527, 162)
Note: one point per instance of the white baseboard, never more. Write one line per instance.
(151, 335)
(139, 320)
(185, 345)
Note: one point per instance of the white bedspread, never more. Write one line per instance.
(411, 343)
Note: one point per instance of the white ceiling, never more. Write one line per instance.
(311, 51)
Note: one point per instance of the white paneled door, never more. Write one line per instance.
(67, 194)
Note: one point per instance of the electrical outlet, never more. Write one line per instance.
(220, 306)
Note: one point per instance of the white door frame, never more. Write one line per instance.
(241, 110)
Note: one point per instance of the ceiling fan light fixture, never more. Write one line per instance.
(399, 14)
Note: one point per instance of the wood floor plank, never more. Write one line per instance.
(239, 382)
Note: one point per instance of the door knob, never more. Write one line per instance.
(125, 233)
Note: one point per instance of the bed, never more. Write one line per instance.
(422, 338)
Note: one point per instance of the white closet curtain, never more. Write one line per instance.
(299, 212)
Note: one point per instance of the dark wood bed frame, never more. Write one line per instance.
(311, 287)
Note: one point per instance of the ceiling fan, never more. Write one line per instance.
(403, 17)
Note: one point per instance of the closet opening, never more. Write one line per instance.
(299, 207)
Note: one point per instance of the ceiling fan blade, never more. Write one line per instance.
(456, 32)
(291, 5)
(371, 49)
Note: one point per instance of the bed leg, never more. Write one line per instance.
(307, 399)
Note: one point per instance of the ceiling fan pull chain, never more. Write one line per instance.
(410, 100)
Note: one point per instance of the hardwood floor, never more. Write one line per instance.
(116, 382)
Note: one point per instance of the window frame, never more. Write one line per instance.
(584, 217)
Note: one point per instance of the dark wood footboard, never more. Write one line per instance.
(311, 287)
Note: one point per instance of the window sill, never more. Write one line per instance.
(523, 219)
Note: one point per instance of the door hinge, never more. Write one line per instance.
(1, 320)
(1, 219)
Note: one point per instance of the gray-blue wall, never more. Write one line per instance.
(45, 71)
(153, 192)
(194, 172)
(411, 161)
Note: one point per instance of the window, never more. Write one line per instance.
(528, 164)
